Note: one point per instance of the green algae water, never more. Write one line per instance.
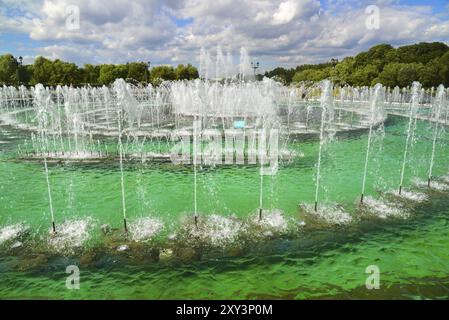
(328, 259)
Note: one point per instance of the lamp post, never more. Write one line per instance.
(255, 66)
(19, 69)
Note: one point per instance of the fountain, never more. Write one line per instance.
(376, 111)
(438, 105)
(411, 127)
(327, 118)
(256, 127)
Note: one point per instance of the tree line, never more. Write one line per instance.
(57, 72)
(427, 63)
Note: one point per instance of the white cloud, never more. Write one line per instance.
(285, 13)
(287, 32)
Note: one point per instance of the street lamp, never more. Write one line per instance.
(19, 70)
(255, 66)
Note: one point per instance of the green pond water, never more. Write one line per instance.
(326, 262)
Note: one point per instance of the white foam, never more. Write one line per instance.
(433, 184)
(383, 209)
(329, 213)
(217, 230)
(12, 232)
(70, 235)
(445, 178)
(145, 228)
(68, 155)
(272, 221)
(410, 195)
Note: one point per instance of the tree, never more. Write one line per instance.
(422, 52)
(187, 72)
(162, 73)
(364, 76)
(429, 75)
(312, 75)
(344, 70)
(138, 71)
(8, 70)
(443, 74)
(110, 72)
(408, 73)
(64, 73)
(91, 74)
(42, 71)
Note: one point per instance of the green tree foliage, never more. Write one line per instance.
(443, 64)
(91, 74)
(163, 73)
(8, 70)
(282, 75)
(138, 71)
(42, 71)
(57, 72)
(424, 62)
(186, 72)
(110, 72)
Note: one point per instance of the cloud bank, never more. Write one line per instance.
(277, 32)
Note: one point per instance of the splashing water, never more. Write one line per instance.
(145, 228)
(329, 213)
(410, 195)
(411, 128)
(272, 222)
(12, 232)
(71, 235)
(380, 208)
(433, 184)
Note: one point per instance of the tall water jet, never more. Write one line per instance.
(438, 104)
(262, 150)
(376, 107)
(414, 103)
(43, 101)
(245, 63)
(196, 126)
(327, 118)
(120, 88)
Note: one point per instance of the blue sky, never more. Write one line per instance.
(275, 32)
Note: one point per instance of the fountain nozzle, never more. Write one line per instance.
(124, 224)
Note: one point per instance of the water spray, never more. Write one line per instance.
(438, 103)
(195, 151)
(375, 103)
(122, 181)
(327, 108)
(413, 106)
